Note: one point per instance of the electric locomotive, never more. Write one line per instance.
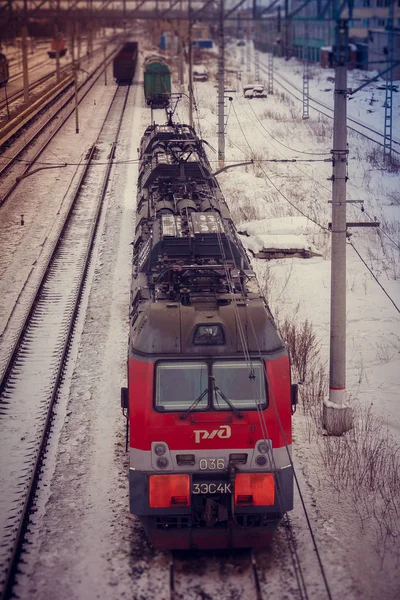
(209, 400)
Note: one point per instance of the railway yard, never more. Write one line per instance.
(67, 223)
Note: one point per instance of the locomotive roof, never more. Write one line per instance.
(169, 328)
(154, 59)
(189, 264)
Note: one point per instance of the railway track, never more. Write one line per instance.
(65, 68)
(31, 381)
(24, 153)
(17, 95)
(327, 111)
(221, 575)
(32, 68)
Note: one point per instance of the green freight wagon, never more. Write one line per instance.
(157, 82)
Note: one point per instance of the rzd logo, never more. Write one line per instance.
(222, 432)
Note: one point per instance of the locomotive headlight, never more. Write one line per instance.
(162, 463)
(261, 461)
(262, 447)
(160, 449)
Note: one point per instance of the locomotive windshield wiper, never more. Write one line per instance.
(229, 402)
(194, 404)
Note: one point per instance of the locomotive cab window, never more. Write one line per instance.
(243, 387)
(178, 385)
(209, 335)
(219, 385)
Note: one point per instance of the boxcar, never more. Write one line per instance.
(157, 82)
(124, 64)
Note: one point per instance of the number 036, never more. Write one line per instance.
(212, 464)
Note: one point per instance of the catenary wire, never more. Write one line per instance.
(273, 184)
(374, 276)
(264, 428)
(314, 221)
(281, 143)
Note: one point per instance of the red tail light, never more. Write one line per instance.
(254, 489)
(166, 491)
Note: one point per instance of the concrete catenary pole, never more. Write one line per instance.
(75, 68)
(190, 60)
(337, 415)
(25, 72)
(24, 48)
(181, 48)
(57, 42)
(221, 88)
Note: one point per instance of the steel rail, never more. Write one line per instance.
(90, 81)
(36, 66)
(247, 569)
(17, 95)
(34, 321)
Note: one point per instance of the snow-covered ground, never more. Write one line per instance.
(85, 545)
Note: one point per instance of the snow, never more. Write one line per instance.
(286, 233)
(285, 242)
(84, 542)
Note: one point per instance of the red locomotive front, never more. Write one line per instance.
(209, 398)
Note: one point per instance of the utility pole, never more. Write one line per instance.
(287, 31)
(57, 41)
(25, 54)
(180, 49)
(180, 59)
(190, 58)
(337, 415)
(71, 37)
(78, 41)
(105, 64)
(75, 68)
(221, 88)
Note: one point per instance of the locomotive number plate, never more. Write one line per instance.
(214, 487)
(212, 464)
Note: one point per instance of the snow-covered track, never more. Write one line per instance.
(18, 75)
(21, 156)
(29, 387)
(222, 575)
(327, 111)
(17, 95)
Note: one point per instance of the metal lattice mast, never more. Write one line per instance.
(387, 141)
(221, 89)
(248, 50)
(306, 84)
(271, 72)
(257, 64)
